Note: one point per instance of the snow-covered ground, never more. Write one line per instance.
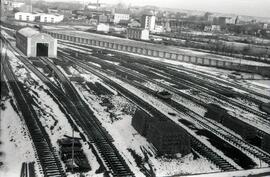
(16, 143)
(261, 172)
(211, 71)
(126, 137)
(117, 121)
(51, 117)
(154, 102)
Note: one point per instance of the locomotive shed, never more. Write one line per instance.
(34, 43)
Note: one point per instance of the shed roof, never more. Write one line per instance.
(151, 46)
(28, 32)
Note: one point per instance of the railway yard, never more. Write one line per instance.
(131, 115)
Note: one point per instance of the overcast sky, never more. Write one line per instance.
(241, 7)
(246, 7)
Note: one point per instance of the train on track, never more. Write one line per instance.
(246, 131)
(221, 115)
(167, 137)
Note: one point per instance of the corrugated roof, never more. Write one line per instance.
(28, 32)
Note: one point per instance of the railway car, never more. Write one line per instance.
(238, 126)
(141, 121)
(164, 95)
(76, 78)
(216, 112)
(221, 115)
(266, 143)
(265, 107)
(167, 137)
(227, 91)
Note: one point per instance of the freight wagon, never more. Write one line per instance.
(219, 114)
(166, 136)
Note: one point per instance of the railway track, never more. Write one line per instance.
(197, 75)
(28, 169)
(46, 155)
(213, 156)
(144, 72)
(100, 137)
(215, 128)
(183, 80)
(209, 125)
(83, 117)
(220, 81)
(210, 89)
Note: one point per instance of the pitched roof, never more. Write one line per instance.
(28, 32)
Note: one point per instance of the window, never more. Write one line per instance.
(27, 18)
(52, 19)
(20, 17)
(45, 19)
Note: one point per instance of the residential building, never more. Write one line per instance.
(211, 28)
(264, 26)
(230, 20)
(51, 18)
(138, 33)
(120, 14)
(17, 4)
(25, 16)
(52, 10)
(209, 17)
(102, 18)
(148, 22)
(134, 24)
(103, 27)
(224, 20)
(66, 12)
(158, 29)
(9, 5)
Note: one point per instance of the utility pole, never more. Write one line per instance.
(72, 151)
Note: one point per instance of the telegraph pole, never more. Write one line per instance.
(72, 151)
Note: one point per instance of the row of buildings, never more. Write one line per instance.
(40, 17)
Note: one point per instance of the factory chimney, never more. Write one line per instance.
(28, 6)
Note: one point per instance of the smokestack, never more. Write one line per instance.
(28, 4)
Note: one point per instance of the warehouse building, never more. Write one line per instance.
(120, 14)
(51, 18)
(26, 16)
(33, 43)
(138, 33)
